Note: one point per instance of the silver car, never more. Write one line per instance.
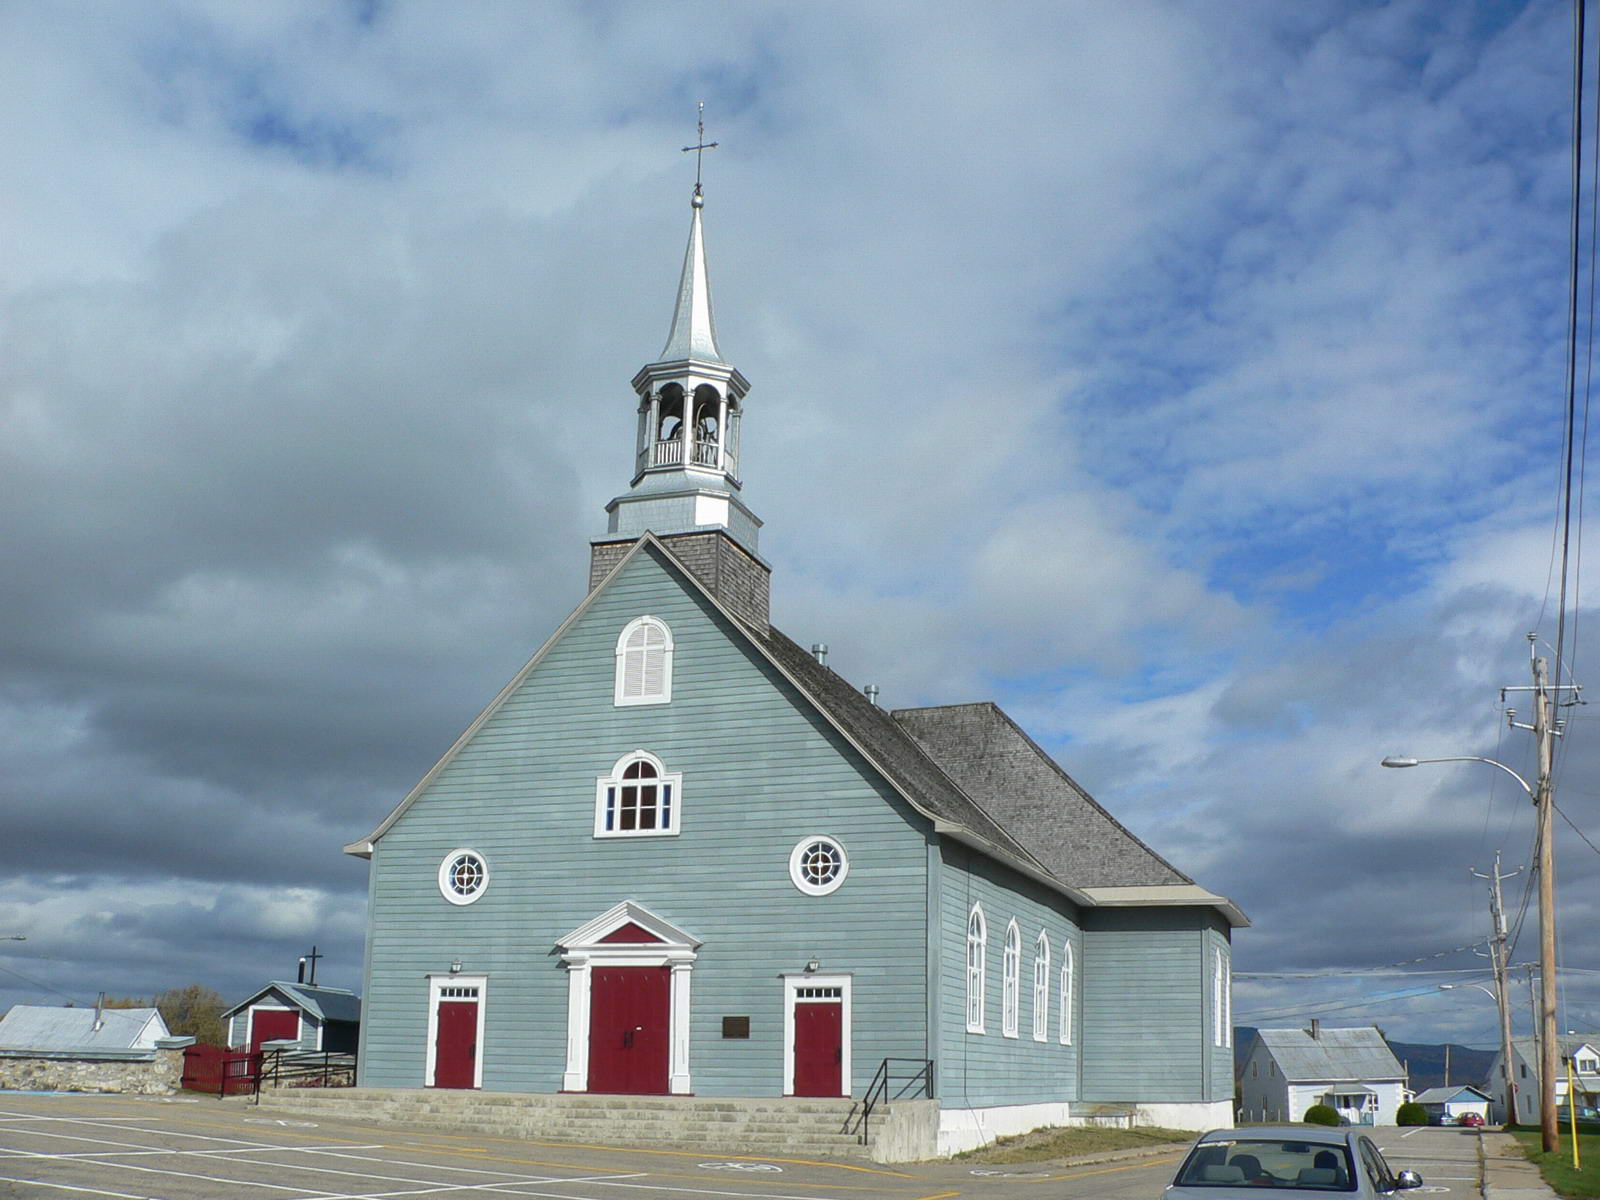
(1265, 1161)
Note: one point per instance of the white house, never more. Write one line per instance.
(1351, 1070)
(1580, 1050)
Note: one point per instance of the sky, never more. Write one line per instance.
(1187, 378)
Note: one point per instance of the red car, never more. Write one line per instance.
(1471, 1119)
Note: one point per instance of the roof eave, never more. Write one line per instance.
(1188, 895)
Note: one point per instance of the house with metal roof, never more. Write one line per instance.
(317, 1018)
(681, 855)
(46, 1029)
(1353, 1071)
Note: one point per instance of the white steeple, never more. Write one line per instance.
(691, 405)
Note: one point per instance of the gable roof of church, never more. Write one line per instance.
(1006, 832)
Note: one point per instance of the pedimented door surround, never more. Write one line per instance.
(627, 935)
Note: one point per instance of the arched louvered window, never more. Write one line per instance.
(1067, 984)
(644, 662)
(1041, 987)
(638, 799)
(977, 950)
(1010, 996)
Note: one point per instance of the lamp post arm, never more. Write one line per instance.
(1398, 761)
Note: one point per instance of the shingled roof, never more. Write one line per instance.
(1005, 771)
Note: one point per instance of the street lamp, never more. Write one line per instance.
(1543, 797)
(1508, 1089)
(1399, 760)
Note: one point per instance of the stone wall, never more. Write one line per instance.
(155, 1075)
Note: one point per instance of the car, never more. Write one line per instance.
(1261, 1162)
(1470, 1119)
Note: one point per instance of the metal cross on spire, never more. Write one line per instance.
(700, 146)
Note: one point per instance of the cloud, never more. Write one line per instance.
(1188, 382)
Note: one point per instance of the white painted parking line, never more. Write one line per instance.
(67, 1187)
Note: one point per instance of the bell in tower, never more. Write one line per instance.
(686, 485)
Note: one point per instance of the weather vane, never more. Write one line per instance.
(700, 146)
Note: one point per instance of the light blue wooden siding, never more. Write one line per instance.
(760, 771)
(1147, 1017)
(979, 1070)
(1219, 1059)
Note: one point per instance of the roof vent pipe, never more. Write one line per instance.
(1316, 1027)
(871, 691)
(301, 977)
(820, 651)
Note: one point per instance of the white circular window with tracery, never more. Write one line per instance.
(462, 876)
(818, 865)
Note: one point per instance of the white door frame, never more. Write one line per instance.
(793, 984)
(585, 948)
(436, 986)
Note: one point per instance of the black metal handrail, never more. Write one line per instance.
(910, 1083)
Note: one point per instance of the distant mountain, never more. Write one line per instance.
(1424, 1060)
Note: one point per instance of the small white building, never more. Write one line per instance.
(37, 1028)
(1447, 1105)
(1352, 1071)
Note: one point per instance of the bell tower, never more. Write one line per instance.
(686, 486)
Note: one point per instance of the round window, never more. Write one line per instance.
(818, 865)
(462, 876)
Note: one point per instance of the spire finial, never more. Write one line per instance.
(700, 146)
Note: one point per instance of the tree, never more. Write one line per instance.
(194, 1011)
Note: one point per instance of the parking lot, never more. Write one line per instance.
(185, 1148)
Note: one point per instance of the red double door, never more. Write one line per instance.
(629, 1030)
(818, 1047)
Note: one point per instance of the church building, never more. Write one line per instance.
(679, 855)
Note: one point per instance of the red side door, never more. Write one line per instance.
(271, 1024)
(819, 1048)
(455, 1048)
(628, 1030)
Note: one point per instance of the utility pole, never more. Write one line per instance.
(1544, 734)
(1502, 997)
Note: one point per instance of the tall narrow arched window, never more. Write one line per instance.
(977, 951)
(1041, 987)
(1012, 986)
(638, 799)
(644, 662)
(1067, 984)
(1221, 1000)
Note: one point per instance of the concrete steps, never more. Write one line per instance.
(795, 1128)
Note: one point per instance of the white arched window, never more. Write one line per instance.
(977, 951)
(644, 662)
(1221, 1001)
(1010, 999)
(638, 799)
(1041, 988)
(1066, 993)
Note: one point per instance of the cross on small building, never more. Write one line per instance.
(700, 145)
(312, 960)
